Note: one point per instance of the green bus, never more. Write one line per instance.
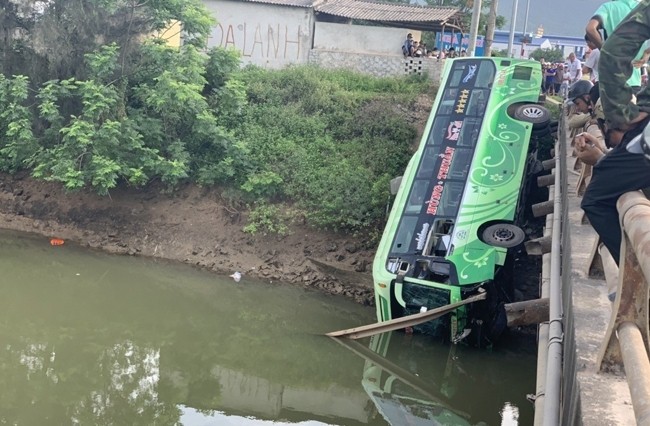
(457, 213)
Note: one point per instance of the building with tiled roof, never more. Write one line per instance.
(277, 33)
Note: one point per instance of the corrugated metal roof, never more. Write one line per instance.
(391, 12)
(294, 3)
(395, 14)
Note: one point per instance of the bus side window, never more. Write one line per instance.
(425, 171)
(477, 102)
(405, 234)
(454, 81)
(417, 197)
(440, 237)
(447, 102)
(451, 198)
(438, 130)
(469, 132)
(485, 75)
(460, 164)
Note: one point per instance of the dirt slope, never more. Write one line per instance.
(196, 226)
(193, 225)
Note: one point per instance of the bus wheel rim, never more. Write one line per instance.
(532, 112)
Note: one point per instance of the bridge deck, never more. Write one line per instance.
(605, 397)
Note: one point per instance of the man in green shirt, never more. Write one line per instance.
(606, 18)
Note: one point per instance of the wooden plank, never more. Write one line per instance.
(403, 322)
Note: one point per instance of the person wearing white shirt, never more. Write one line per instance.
(575, 68)
(591, 63)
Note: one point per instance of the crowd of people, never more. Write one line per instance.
(418, 49)
(612, 110)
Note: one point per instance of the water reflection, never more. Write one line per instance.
(414, 382)
(89, 339)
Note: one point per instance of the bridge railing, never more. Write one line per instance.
(630, 313)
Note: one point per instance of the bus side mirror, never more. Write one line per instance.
(394, 185)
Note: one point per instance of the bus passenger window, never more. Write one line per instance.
(469, 132)
(417, 197)
(477, 102)
(485, 75)
(454, 80)
(460, 164)
(429, 159)
(448, 101)
(439, 237)
(438, 130)
(405, 234)
(450, 199)
(522, 72)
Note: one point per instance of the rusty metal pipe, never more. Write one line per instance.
(637, 370)
(634, 211)
(634, 214)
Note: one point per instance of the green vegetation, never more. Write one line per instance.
(500, 53)
(320, 144)
(549, 55)
(467, 9)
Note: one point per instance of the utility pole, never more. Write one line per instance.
(513, 21)
(491, 23)
(526, 19)
(473, 31)
(524, 36)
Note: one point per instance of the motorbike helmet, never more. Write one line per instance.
(579, 88)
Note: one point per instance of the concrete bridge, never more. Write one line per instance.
(593, 366)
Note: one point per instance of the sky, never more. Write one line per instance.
(558, 17)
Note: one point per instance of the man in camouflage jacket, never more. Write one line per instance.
(619, 170)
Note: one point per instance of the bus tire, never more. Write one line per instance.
(504, 235)
(534, 114)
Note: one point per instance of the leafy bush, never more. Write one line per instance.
(328, 138)
(327, 142)
(17, 145)
(267, 219)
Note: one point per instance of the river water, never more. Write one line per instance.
(94, 339)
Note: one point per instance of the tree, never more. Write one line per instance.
(465, 7)
(107, 103)
(549, 55)
(49, 39)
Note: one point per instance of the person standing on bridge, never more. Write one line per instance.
(606, 18)
(620, 170)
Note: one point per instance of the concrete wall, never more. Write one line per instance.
(361, 39)
(265, 35)
(276, 36)
(376, 64)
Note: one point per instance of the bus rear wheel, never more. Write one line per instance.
(504, 235)
(534, 114)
